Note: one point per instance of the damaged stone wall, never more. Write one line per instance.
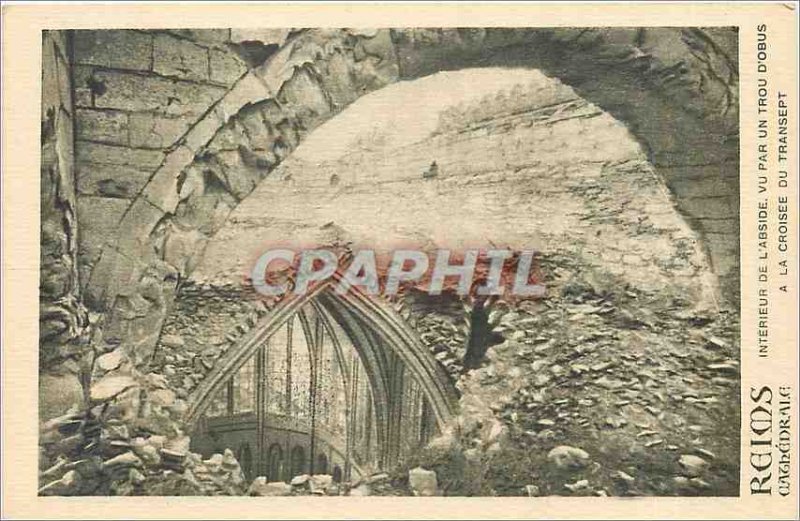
(136, 94)
(553, 173)
(218, 162)
(663, 84)
(174, 129)
(62, 317)
(206, 321)
(676, 89)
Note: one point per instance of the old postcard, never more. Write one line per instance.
(400, 261)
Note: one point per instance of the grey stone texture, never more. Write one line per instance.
(62, 316)
(136, 94)
(117, 49)
(172, 133)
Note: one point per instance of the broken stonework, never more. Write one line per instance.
(565, 457)
(422, 482)
(176, 129)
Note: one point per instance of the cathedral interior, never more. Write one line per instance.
(172, 158)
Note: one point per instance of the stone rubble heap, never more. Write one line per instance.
(612, 394)
(83, 456)
(129, 441)
(378, 484)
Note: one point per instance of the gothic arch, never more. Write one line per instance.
(275, 462)
(683, 110)
(365, 320)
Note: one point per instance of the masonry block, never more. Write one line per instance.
(112, 273)
(102, 126)
(136, 230)
(111, 180)
(115, 155)
(119, 49)
(138, 93)
(306, 98)
(724, 250)
(728, 226)
(98, 218)
(162, 190)
(709, 207)
(82, 94)
(225, 67)
(249, 89)
(202, 131)
(179, 58)
(147, 130)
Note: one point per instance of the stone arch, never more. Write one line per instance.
(245, 457)
(321, 465)
(337, 474)
(364, 320)
(275, 462)
(675, 89)
(297, 460)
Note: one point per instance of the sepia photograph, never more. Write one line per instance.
(407, 261)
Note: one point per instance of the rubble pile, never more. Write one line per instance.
(129, 440)
(609, 394)
(83, 454)
(445, 340)
(378, 484)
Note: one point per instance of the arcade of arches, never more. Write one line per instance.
(168, 156)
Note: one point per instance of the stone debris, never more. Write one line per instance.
(109, 361)
(260, 487)
(578, 486)
(110, 386)
(103, 452)
(633, 381)
(716, 342)
(728, 367)
(566, 457)
(361, 490)
(691, 465)
(300, 481)
(378, 478)
(423, 482)
(624, 477)
(705, 453)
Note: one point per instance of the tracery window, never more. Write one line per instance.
(276, 373)
(300, 374)
(244, 388)
(271, 395)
